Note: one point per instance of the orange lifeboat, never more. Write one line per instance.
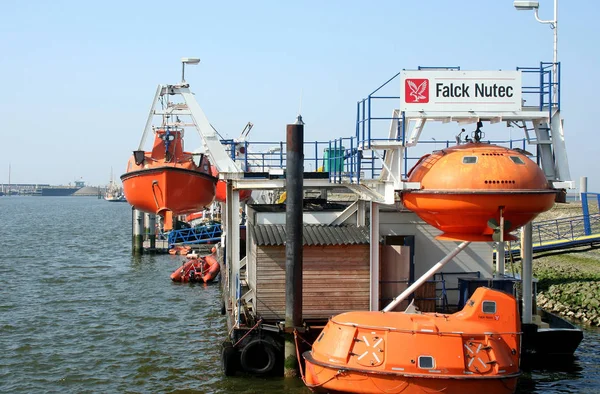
(167, 178)
(193, 216)
(469, 191)
(221, 191)
(475, 350)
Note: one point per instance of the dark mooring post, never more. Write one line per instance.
(293, 245)
(137, 233)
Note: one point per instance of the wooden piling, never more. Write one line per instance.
(137, 234)
(150, 229)
(293, 246)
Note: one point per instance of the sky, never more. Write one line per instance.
(78, 77)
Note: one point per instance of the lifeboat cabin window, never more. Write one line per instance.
(517, 160)
(469, 159)
(426, 362)
(489, 306)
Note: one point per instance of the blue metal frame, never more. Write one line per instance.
(196, 235)
(570, 231)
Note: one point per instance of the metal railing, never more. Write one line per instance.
(196, 235)
(350, 159)
(568, 231)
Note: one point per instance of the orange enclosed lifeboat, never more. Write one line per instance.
(473, 190)
(167, 178)
(221, 192)
(475, 350)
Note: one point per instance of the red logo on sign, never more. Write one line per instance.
(416, 91)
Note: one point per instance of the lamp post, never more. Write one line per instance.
(534, 5)
(187, 60)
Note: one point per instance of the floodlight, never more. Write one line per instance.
(196, 60)
(526, 5)
(187, 60)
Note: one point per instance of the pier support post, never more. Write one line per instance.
(137, 237)
(229, 223)
(527, 274)
(360, 213)
(500, 259)
(294, 242)
(234, 252)
(150, 229)
(582, 187)
(374, 257)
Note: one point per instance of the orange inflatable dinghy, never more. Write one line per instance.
(204, 269)
(213, 269)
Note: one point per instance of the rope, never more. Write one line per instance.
(154, 194)
(298, 356)
(249, 331)
(310, 386)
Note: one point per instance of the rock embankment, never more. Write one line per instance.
(569, 284)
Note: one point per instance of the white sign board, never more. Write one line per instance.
(459, 91)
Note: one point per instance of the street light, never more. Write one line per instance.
(534, 5)
(187, 60)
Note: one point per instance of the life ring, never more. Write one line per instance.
(229, 359)
(258, 357)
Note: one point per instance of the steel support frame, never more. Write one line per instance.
(216, 152)
(232, 240)
(560, 150)
(527, 274)
(374, 257)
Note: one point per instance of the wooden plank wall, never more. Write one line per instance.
(335, 280)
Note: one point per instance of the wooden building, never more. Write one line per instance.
(335, 270)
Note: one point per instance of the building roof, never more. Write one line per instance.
(313, 234)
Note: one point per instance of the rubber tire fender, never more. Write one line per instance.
(229, 359)
(247, 361)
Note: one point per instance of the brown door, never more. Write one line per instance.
(396, 269)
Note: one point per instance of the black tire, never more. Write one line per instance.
(223, 310)
(229, 359)
(258, 357)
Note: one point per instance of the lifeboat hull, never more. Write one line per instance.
(476, 350)
(464, 216)
(158, 189)
(323, 378)
(466, 189)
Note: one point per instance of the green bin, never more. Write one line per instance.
(333, 159)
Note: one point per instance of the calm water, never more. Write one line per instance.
(79, 314)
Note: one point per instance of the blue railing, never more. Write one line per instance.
(196, 235)
(585, 201)
(542, 85)
(344, 159)
(568, 231)
(341, 158)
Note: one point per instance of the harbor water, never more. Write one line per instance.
(79, 313)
